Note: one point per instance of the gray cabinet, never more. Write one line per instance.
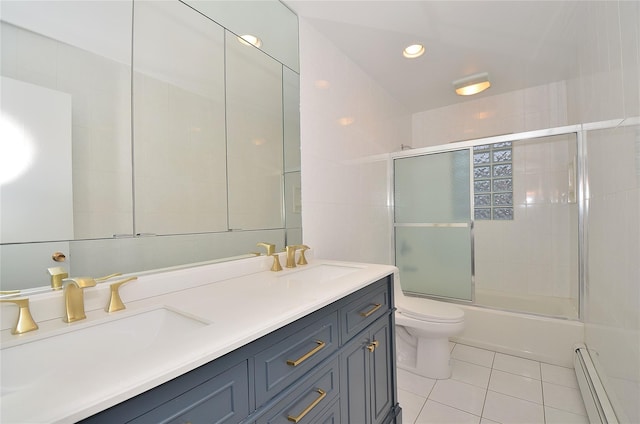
(290, 359)
(335, 365)
(366, 380)
(222, 399)
(308, 400)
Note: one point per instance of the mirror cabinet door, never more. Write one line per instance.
(58, 52)
(178, 120)
(292, 181)
(254, 137)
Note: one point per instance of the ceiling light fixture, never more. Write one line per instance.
(346, 121)
(322, 84)
(413, 51)
(472, 84)
(250, 40)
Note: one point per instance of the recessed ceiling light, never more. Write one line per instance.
(322, 84)
(250, 40)
(346, 121)
(413, 51)
(473, 84)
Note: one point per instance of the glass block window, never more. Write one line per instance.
(493, 181)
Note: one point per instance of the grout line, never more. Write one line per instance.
(420, 411)
(544, 411)
(486, 393)
(457, 409)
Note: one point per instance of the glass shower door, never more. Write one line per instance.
(432, 223)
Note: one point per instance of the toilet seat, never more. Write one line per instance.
(429, 310)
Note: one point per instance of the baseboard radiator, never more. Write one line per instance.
(594, 395)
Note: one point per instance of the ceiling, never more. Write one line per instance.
(519, 43)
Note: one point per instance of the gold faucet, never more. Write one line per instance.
(25, 322)
(115, 301)
(58, 274)
(302, 260)
(271, 248)
(74, 297)
(276, 263)
(291, 254)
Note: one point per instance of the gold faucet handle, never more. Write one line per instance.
(106, 277)
(25, 322)
(115, 301)
(80, 282)
(271, 248)
(276, 263)
(302, 260)
(58, 274)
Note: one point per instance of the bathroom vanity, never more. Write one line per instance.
(230, 343)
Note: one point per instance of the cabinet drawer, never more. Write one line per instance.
(357, 315)
(331, 415)
(282, 364)
(222, 399)
(305, 403)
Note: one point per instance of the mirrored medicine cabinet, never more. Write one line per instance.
(145, 134)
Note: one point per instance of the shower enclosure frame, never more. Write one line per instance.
(581, 191)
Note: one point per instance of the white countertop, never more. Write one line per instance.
(241, 301)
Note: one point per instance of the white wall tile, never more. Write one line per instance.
(345, 212)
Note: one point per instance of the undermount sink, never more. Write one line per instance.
(319, 273)
(25, 364)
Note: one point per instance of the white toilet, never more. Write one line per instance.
(423, 328)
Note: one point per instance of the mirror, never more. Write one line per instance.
(179, 121)
(159, 155)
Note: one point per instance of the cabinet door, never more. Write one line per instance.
(366, 391)
(354, 381)
(381, 371)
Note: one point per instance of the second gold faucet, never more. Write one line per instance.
(74, 297)
(291, 255)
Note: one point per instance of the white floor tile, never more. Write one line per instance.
(492, 388)
(564, 398)
(473, 354)
(556, 416)
(515, 365)
(559, 375)
(516, 385)
(510, 410)
(437, 413)
(451, 346)
(414, 383)
(411, 405)
(470, 373)
(459, 395)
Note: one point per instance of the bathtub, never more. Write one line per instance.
(550, 340)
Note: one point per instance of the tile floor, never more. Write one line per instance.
(488, 387)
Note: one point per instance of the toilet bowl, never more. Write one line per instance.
(423, 328)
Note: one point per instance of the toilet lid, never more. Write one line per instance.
(430, 310)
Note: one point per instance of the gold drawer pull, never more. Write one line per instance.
(372, 310)
(307, 355)
(313, 404)
(373, 345)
